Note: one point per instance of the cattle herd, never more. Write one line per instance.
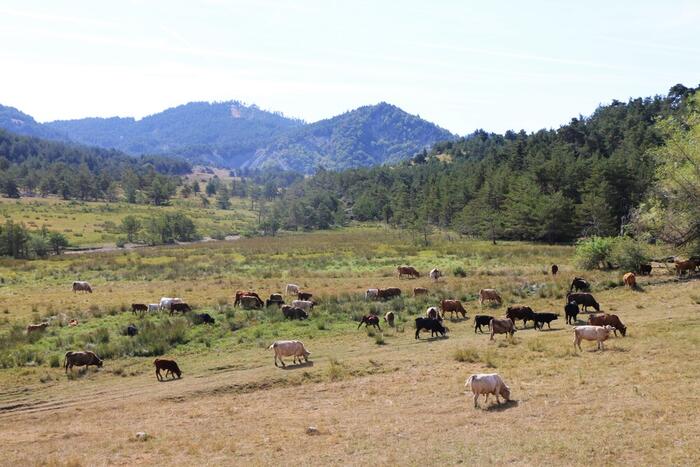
(579, 298)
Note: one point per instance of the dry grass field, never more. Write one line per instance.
(381, 398)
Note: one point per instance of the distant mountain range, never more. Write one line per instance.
(232, 134)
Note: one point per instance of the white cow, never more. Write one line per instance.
(435, 274)
(166, 302)
(305, 305)
(153, 307)
(487, 383)
(291, 289)
(294, 349)
(592, 333)
(372, 294)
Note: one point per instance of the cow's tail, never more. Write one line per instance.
(469, 381)
(65, 359)
(272, 346)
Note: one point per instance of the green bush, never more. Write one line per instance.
(594, 252)
(55, 361)
(459, 272)
(630, 254)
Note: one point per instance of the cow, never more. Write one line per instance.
(389, 318)
(433, 313)
(203, 318)
(452, 306)
(180, 307)
(584, 299)
(166, 302)
(487, 383)
(81, 286)
(170, 366)
(291, 312)
(605, 319)
(571, 311)
(428, 324)
(489, 294)
(304, 295)
(435, 274)
(83, 358)
(36, 327)
(131, 330)
(592, 333)
(153, 307)
(419, 291)
(240, 294)
(291, 289)
(275, 299)
(645, 269)
(541, 318)
(140, 307)
(555, 269)
(579, 283)
(686, 266)
(73, 322)
(481, 320)
(372, 294)
(630, 280)
(294, 349)
(305, 305)
(502, 326)
(249, 302)
(370, 320)
(516, 312)
(389, 293)
(409, 271)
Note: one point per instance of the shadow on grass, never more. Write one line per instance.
(168, 380)
(501, 407)
(298, 365)
(431, 339)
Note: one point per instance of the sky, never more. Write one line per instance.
(465, 65)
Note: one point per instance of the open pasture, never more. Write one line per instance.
(372, 395)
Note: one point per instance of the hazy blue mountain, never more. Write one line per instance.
(20, 123)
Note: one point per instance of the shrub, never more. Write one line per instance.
(630, 254)
(594, 252)
(459, 272)
(466, 355)
(55, 361)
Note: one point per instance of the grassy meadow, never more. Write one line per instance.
(380, 397)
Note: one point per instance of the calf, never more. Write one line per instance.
(275, 299)
(291, 289)
(605, 319)
(435, 274)
(131, 330)
(591, 333)
(304, 295)
(433, 313)
(294, 349)
(389, 318)
(370, 320)
(428, 324)
(83, 358)
(645, 269)
(179, 307)
(291, 312)
(372, 294)
(305, 305)
(579, 283)
(453, 306)
(630, 280)
(502, 326)
(170, 366)
(81, 286)
(516, 312)
(583, 298)
(481, 320)
(389, 293)
(409, 271)
(686, 266)
(571, 311)
(153, 307)
(489, 294)
(203, 318)
(555, 269)
(487, 384)
(36, 327)
(419, 291)
(541, 318)
(140, 307)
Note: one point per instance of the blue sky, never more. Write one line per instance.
(462, 64)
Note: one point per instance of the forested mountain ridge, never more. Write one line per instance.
(367, 136)
(19, 123)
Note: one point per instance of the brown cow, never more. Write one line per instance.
(630, 280)
(240, 294)
(84, 358)
(181, 307)
(605, 319)
(409, 271)
(419, 291)
(388, 293)
(370, 320)
(138, 307)
(502, 326)
(489, 294)
(36, 327)
(453, 306)
(81, 286)
(516, 312)
(686, 266)
(170, 366)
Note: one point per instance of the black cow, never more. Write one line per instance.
(571, 311)
(370, 320)
(181, 307)
(203, 318)
(131, 330)
(428, 324)
(275, 299)
(516, 312)
(579, 283)
(584, 299)
(291, 312)
(541, 318)
(645, 269)
(481, 320)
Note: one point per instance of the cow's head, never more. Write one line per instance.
(505, 392)
(623, 330)
(99, 363)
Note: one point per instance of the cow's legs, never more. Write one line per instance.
(476, 399)
(276, 360)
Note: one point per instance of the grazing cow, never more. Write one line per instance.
(419, 291)
(429, 324)
(180, 307)
(83, 358)
(583, 298)
(489, 294)
(167, 302)
(579, 283)
(389, 293)
(291, 312)
(153, 307)
(275, 299)
(131, 330)
(555, 269)
(138, 307)
(389, 318)
(686, 266)
(645, 269)
(170, 366)
(541, 318)
(435, 274)
(249, 302)
(73, 322)
(516, 312)
(203, 318)
(304, 295)
(370, 320)
(240, 294)
(487, 383)
(433, 313)
(592, 333)
(452, 306)
(630, 280)
(294, 349)
(372, 294)
(604, 319)
(571, 311)
(305, 305)
(409, 271)
(481, 320)
(291, 289)
(502, 326)
(81, 286)
(36, 327)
